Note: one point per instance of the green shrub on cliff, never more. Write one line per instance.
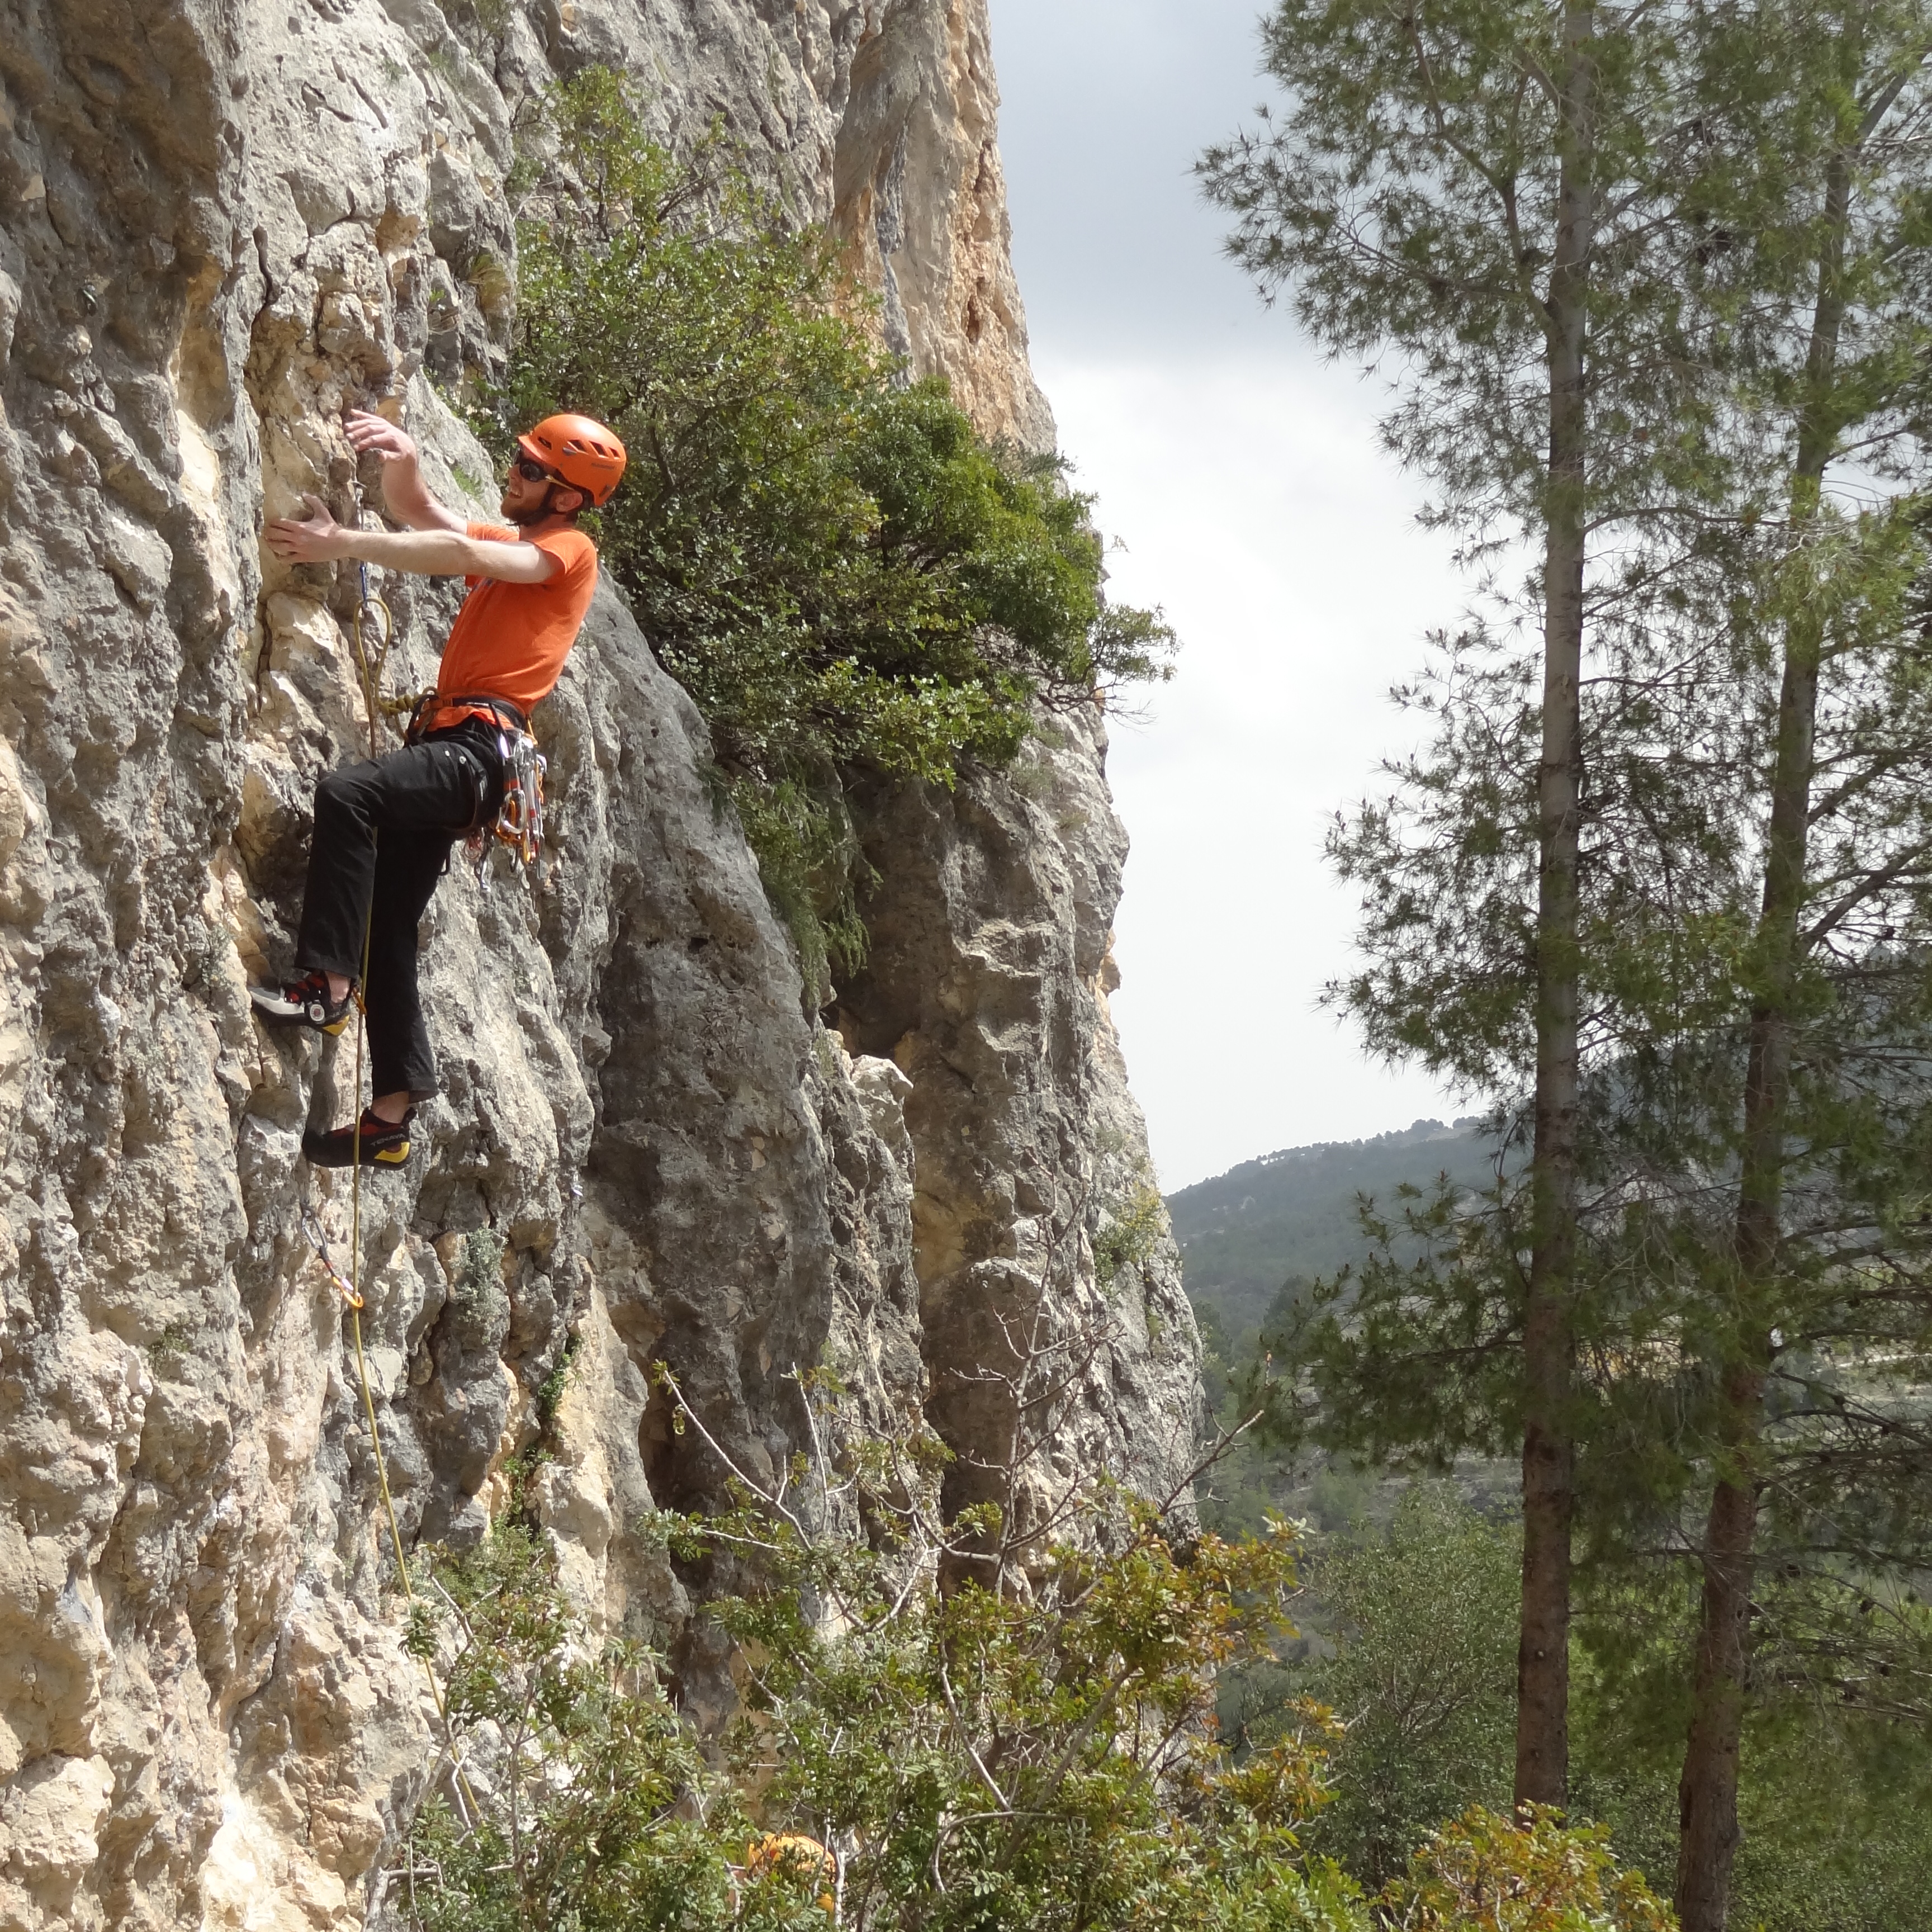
(1031, 1748)
(837, 568)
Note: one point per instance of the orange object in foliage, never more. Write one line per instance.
(794, 1852)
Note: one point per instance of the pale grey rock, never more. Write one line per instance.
(224, 221)
(919, 194)
(987, 987)
(883, 1090)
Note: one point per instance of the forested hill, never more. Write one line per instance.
(1292, 1213)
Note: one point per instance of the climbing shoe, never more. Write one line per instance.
(385, 1143)
(303, 1002)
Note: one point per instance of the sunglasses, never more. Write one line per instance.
(534, 472)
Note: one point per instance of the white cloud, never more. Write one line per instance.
(1254, 505)
(1245, 477)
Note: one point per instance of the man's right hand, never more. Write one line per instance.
(370, 435)
(404, 490)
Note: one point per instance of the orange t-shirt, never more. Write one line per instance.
(510, 640)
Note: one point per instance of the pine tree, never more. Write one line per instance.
(1504, 195)
(1831, 979)
(1750, 925)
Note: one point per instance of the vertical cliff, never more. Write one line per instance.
(221, 221)
(918, 192)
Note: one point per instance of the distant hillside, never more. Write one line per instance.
(1245, 1232)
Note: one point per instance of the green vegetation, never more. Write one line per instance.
(1423, 1671)
(1656, 883)
(1133, 1224)
(1016, 1759)
(1530, 1877)
(1836, 1798)
(514, 1843)
(1255, 1244)
(1407, 1619)
(478, 1286)
(843, 575)
(1293, 1216)
(1407, 1629)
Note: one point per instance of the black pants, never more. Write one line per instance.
(383, 831)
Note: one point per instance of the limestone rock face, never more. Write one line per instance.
(1060, 1340)
(221, 221)
(919, 195)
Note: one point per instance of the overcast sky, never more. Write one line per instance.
(1243, 476)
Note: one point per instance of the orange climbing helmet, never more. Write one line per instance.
(579, 449)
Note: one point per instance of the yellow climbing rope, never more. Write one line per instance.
(348, 1286)
(372, 652)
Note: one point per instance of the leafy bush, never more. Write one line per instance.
(1035, 1757)
(1532, 1875)
(1413, 1645)
(837, 568)
(1042, 1754)
(1132, 1229)
(572, 1808)
(1425, 1674)
(1038, 1760)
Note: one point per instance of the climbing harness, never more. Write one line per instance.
(518, 826)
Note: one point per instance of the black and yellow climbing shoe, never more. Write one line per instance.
(303, 1002)
(385, 1143)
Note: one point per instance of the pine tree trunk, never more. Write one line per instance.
(1707, 1791)
(1543, 1654)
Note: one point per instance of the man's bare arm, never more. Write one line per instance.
(404, 492)
(319, 538)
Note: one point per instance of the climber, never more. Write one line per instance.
(384, 828)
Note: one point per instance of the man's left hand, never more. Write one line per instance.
(316, 538)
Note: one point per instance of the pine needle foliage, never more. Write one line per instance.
(841, 573)
(1666, 896)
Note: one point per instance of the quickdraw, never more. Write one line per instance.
(519, 823)
(371, 634)
(318, 1241)
(520, 818)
